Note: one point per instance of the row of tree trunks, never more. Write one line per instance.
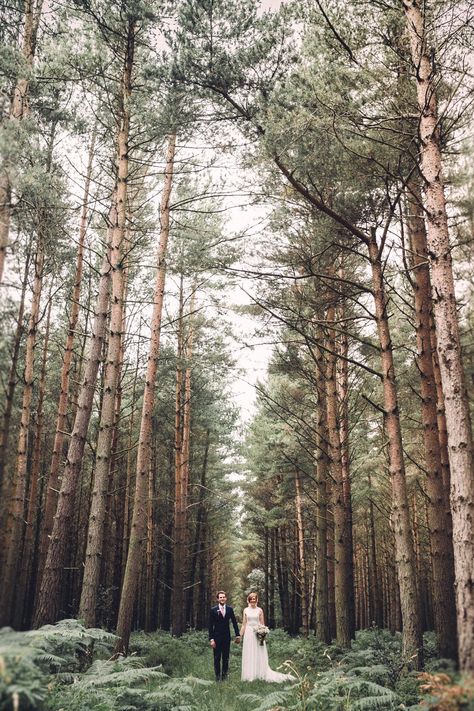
(15, 521)
(137, 530)
(447, 331)
(342, 551)
(53, 482)
(438, 497)
(180, 485)
(404, 550)
(302, 574)
(375, 612)
(48, 606)
(198, 545)
(323, 627)
(342, 389)
(18, 110)
(11, 386)
(27, 577)
(95, 536)
(181, 543)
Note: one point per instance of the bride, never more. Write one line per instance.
(254, 655)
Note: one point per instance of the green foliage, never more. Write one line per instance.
(161, 648)
(336, 690)
(30, 660)
(119, 684)
(62, 668)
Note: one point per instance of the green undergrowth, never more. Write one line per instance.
(65, 667)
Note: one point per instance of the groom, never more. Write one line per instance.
(219, 634)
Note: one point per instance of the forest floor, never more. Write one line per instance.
(65, 667)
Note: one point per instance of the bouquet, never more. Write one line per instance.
(261, 631)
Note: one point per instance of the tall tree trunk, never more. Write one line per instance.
(341, 550)
(282, 572)
(182, 442)
(404, 551)
(94, 548)
(12, 379)
(6, 482)
(342, 387)
(16, 512)
(93, 560)
(301, 556)
(330, 559)
(375, 591)
(458, 418)
(442, 557)
(49, 595)
(128, 471)
(51, 499)
(322, 629)
(149, 553)
(198, 540)
(134, 557)
(26, 585)
(203, 574)
(18, 110)
(441, 413)
(271, 583)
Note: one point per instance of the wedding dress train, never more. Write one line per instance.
(255, 655)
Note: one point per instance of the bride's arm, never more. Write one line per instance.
(244, 624)
(261, 618)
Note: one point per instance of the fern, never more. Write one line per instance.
(376, 672)
(339, 690)
(275, 700)
(122, 672)
(385, 701)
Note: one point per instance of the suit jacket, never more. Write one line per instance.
(219, 626)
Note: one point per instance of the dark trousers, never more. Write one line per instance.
(221, 652)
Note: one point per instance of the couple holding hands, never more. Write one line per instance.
(254, 649)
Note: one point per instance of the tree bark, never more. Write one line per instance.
(149, 553)
(51, 499)
(18, 110)
(12, 380)
(322, 629)
(94, 551)
(458, 418)
(128, 473)
(26, 585)
(342, 388)
(182, 448)
(404, 550)
(15, 520)
(282, 572)
(199, 543)
(439, 524)
(341, 549)
(127, 599)
(301, 556)
(49, 595)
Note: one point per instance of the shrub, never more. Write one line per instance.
(444, 694)
(174, 655)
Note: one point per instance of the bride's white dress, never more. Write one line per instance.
(254, 655)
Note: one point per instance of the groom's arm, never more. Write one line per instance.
(211, 626)
(234, 622)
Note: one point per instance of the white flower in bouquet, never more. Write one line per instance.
(261, 631)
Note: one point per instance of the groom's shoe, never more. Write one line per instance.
(218, 678)
(224, 677)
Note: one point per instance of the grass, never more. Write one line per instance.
(65, 667)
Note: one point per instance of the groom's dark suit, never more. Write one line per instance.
(219, 631)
